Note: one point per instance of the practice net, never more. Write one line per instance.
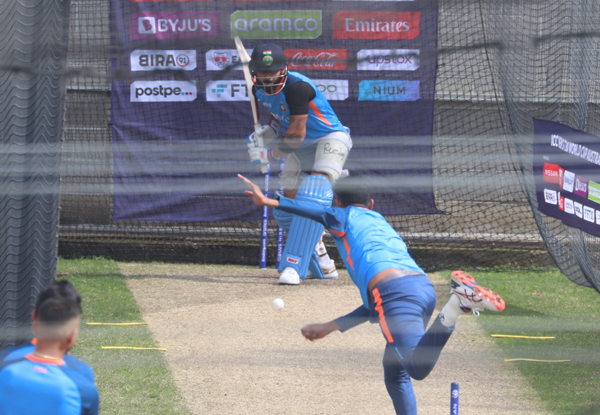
(441, 99)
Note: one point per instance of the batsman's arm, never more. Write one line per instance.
(293, 137)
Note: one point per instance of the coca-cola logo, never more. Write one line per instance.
(319, 59)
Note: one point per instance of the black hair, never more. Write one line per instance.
(58, 303)
(353, 190)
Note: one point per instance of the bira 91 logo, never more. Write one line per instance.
(366, 24)
(276, 24)
(173, 25)
(317, 59)
(150, 60)
(163, 91)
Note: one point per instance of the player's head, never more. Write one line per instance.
(268, 66)
(57, 312)
(353, 190)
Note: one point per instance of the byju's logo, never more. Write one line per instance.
(163, 91)
(268, 24)
(333, 89)
(149, 60)
(388, 59)
(581, 186)
(219, 59)
(226, 91)
(382, 90)
(328, 59)
(366, 24)
(173, 25)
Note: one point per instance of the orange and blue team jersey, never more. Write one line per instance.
(30, 384)
(365, 240)
(321, 118)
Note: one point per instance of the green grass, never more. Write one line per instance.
(129, 381)
(548, 304)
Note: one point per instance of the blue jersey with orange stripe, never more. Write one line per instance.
(321, 118)
(366, 241)
(32, 384)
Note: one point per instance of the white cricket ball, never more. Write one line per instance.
(277, 304)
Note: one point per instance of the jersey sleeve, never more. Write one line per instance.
(331, 218)
(298, 96)
(353, 319)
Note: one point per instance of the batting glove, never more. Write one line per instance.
(261, 155)
(263, 136)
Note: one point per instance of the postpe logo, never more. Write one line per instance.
(163, 91)
(271, 24)
(365, 24)
(324, 59)
(388, 59)
(227, 91)
(333, 89)
(382, 90)
(149, 60)
(173, 25)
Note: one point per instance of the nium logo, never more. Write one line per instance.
(550, 196)
(333, 89)
(324, 59)
(226, 91)
(388, 59)
(588, 214)
(149, 60)
(162, 91)
(382, 90)
(367, 24)
(219, 59)
(173, 25)
(270, 24)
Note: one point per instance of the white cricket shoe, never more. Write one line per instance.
(473, 296)
(289, 276)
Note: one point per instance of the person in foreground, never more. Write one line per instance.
(315, 147)
(41, 377)
(395, 291)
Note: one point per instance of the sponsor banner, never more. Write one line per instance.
(588, 214)
(368, 24)
(567, 161)
(569, 181)
(581, 186)
(227, 91)
(550, 196)
(152, 60)
(594, 192)
(388, 59)
(316, 59)
(221, 59)
(175, 145)
(173, 25)
(382, 90)
(276, 24)
(551, 173)
(163, 91)
(333, 89)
